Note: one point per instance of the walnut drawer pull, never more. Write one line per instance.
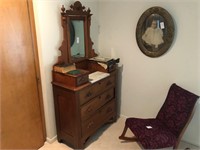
(88, 94)
(82, 79)
(108, 96)
(90, 124)
(89, 109)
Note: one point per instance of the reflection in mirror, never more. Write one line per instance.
(72, 33)
(77, 39)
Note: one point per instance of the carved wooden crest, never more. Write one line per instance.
(76, 8)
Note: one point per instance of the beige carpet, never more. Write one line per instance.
(107, 139)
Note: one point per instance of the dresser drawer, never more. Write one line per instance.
(72, 80)
(98, 119)
(95, 89)
(93, 105)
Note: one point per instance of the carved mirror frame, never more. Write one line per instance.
(76, 12)
(164, 29)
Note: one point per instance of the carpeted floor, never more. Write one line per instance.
(107, 139)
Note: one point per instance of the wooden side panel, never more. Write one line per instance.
(67, 116)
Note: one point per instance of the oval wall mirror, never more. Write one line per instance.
(155, 32)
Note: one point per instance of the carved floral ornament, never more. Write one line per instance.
(155, 32)
(77, 8)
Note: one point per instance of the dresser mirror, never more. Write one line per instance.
(77, 39)
(77, 44)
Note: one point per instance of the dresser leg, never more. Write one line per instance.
(59, 140)
(112, 119)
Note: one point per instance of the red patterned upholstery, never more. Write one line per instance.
(168, 124)
(177, 109)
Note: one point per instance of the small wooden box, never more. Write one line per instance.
(72, 78)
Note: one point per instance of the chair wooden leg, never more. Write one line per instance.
(123, 137)
(177, 144)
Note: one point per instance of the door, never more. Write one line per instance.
(22, 118)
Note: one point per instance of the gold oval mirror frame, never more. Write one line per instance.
(155, 31)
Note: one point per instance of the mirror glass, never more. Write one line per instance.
(77, 40)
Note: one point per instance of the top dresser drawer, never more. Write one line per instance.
(95, 89)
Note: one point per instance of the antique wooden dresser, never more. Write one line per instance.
(81, 110)
(82, 103)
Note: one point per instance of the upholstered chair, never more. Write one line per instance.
(166, 129)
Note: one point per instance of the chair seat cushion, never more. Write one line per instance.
(151, 133)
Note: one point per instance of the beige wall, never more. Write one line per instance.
(48, 30)
(145, 80)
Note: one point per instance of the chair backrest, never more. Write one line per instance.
(177, 109)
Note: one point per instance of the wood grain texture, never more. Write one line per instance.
(22, 123)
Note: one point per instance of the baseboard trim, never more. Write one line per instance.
(192, 144)
(51, 140)
(122, 116)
